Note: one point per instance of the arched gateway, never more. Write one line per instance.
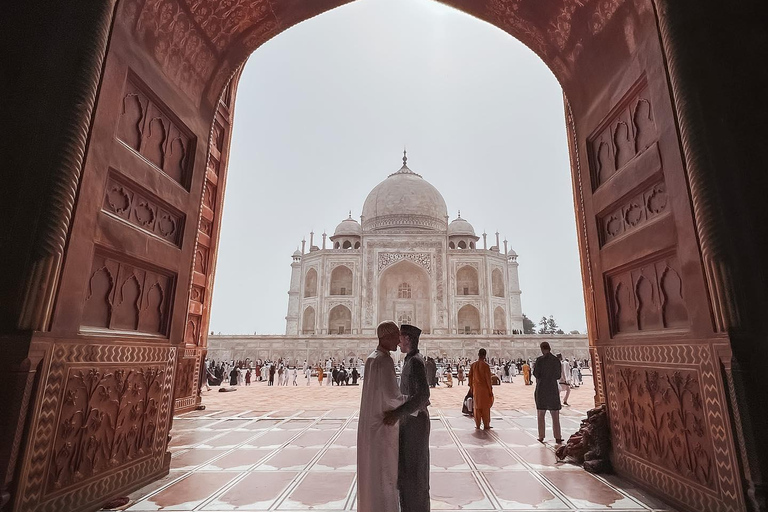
(119, 119)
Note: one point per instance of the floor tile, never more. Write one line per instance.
(320, 490)
(238, 460)
(447, 458)
(337, 459)
(257, 491)
(586, 491)
(193, 458)
(187, 493)
(288, 459)
(521, 490)
(313, 438)
(457, 491)
(488, 458)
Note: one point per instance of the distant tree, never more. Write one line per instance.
(574, 332)
(543, 326)
(559, 331)
(528, 326)
(552, 326)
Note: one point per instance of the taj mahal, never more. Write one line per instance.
(404, 262)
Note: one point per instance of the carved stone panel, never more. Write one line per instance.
(648, 297)
(104, 422)
(669, 422)
(129, 202)
(126, 296)
(148, 127)
(626, 133)
(634, 212)
(423, 259)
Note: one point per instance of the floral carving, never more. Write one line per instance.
(635, 212)
(662, 420)
(423, 259)
(109, 417)
(134, 205)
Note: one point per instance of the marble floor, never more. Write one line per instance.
(303, 459)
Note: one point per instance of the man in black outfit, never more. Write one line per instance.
(413, 466)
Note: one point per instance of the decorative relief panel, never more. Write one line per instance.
(423, 259)
(669, 422)
(349, 264)
(124, 296)
(192, 329)
(648, 298)
(634, 212)
(391, 222)
(105, 411)
(149, 128)
(626, 133)
(131, 203)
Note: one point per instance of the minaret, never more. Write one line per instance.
(324, 236)
(303, 245)
(485, 240)
(515, 306)
(294, 296)
(497, 242)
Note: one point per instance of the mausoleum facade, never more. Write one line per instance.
(404, 261)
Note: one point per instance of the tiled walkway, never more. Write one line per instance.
(305, 460)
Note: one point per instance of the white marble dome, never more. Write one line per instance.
(348, 227)
(460, 227)
(404, 202)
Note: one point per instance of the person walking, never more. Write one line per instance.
(547, 371)
(527, 373)
(460, 375)
(295, 375)
(248, 377)
(482, 390)
(565, 377)
(308, 374)
(271, 375)
(320, 374)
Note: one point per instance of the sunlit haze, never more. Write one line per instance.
(323, 112)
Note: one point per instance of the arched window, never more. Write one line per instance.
(404, 291)
(451, 245)
(471, 245)
(336, 245)
(340, 320)
(310, 283)
(468, 320)
(347, 245)
(462, 245)
(499, 321)
(357, 245)
(497, 283)
(341, 281)
(466, 281)
(308, 321)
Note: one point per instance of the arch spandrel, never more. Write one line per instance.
(200, 44)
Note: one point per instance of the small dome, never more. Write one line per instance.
(348, 227)
(297, 254)
(511, 252)
(460, 227)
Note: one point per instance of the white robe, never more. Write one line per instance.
(377, 443)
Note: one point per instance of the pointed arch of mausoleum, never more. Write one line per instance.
(405, 292)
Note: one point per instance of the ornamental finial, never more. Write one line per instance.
(405, 157)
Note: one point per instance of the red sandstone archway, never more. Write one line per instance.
(117, 290)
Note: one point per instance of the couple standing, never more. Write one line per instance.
(393, 428)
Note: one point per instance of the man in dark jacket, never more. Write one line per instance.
(413, 466)
(547, 394)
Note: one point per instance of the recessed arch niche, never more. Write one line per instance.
(468, 320)
(308, 321)
(497, 283)
(340, 320)
(341, 280)
(310, 283)
(396, 303)
(467, 281)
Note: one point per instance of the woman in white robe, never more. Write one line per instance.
(377, 443)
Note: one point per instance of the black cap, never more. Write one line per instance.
(410, 330)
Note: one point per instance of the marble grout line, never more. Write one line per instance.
(475, 471)
(191, 471)
(243, 474)
(302, 474)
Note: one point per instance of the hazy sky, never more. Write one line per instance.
(323, 111)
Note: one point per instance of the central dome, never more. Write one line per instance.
(404, 202)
